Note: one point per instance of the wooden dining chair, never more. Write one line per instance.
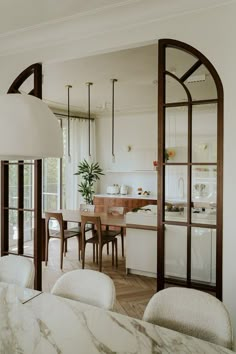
(99, 238)
(116, 211)
(61, 234)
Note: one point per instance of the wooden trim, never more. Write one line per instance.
(194, 103)
(161, 166)
(38, 224)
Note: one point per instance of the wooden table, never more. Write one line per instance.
(48, 324)
(106, 219)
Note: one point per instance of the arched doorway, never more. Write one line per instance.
(190, 176)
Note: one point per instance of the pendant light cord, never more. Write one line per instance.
(89, 119)
(113, 119)
(68, 120)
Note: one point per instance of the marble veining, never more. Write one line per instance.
(47, 324)
(67, 326)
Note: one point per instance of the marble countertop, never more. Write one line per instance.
(49, 324)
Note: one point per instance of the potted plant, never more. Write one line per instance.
(90, 173)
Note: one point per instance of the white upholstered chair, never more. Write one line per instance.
(17, 270)
(191, 312)
(88, 286)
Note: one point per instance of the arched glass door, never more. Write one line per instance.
(190, 177)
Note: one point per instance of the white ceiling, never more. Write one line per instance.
(17, 15)
(25, 26)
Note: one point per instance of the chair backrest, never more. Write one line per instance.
(92, 220)
(88, 286)
(53, 216)
(115, 210)
(191, 312)
(87, 207)
(17, 270)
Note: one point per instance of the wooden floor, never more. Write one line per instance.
(132, 292)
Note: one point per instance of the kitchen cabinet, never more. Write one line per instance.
(102, 202)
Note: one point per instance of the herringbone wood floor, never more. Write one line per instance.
(132, 292)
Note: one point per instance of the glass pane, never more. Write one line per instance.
(51, 184)
(204, 194)
(204, 148)
(13, 186)
(176, 139)
(175, 193)
(203, 255)
(175, 251)
(174, 91)
(28, 186)
(28, 232)
(178, 61)
(201, 85)
(13, 231)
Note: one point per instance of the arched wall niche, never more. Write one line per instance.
(190, 173)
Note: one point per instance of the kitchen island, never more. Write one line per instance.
(128, 201)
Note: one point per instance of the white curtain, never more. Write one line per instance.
(78, 151)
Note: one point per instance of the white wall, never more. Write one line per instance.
(211, 31)
(135, 167)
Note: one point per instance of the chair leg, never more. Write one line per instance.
(97, 253)
(61, 256)
(83, 256)
(112, 253)
(65, 247)
(93, 252)
(100, 258)
(78, 247)
(122, 242)
(116, 252)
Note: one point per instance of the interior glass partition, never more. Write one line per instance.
(190, 175)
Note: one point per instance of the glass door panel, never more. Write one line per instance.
(176, 193)
(204, 194)
(28, 233)
(176, 134)
(203, 255)
(13, 231)
(13, 186)
(175, 251)
(204, 133)
(201, 85)
(28, 187)
(174, 91)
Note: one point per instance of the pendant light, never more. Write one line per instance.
(68, 120)
(89, 119)
(113, 120)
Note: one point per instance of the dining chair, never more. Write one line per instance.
(17, 270)
(191, 312)
(99, 238)
(84, 208)
(61, 234)
(87, 286)
(116, 211)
